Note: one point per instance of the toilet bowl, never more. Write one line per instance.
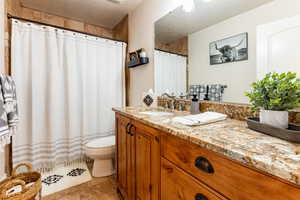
(102, 151)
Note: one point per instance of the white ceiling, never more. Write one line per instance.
(179, 23)
(99, 12)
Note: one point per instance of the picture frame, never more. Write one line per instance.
(227, 50)
(134, 57)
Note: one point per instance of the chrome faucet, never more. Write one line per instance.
(167, 95)
(172, 106)
(166, 104)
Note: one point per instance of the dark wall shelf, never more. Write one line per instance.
(136, 63)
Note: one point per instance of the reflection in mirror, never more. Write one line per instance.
(211, 49)
(170, 61)
(171, 77)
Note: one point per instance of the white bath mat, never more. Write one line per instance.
(64, 177)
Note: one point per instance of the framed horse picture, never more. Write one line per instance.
(230, 49)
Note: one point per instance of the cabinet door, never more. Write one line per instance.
(143, 168)
(122, 124)
(147, 163)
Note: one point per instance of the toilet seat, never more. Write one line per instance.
(102, 151)
(101, 142)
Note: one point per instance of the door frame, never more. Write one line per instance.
(264, 33)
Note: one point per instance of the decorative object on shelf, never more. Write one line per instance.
(149, 99)
(134, 57)
(292, 134)
(138, 58)
(230, 49)
(142, 53)
(274, 95)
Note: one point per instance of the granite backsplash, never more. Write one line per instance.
(233, 110)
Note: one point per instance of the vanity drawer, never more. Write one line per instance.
(228, 177)
(178, 185)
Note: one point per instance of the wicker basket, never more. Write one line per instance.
(29, 181)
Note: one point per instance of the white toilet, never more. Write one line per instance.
(102, 151)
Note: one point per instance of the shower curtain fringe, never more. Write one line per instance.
(48, 167)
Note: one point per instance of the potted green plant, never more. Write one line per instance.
(273, 96)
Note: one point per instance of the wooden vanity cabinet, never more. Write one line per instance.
(227, 177)
(138, 163)
(153, 165)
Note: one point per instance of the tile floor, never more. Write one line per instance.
(96, 189)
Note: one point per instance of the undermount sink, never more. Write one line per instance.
(156, 113)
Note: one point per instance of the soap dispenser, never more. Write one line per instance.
(195, 105)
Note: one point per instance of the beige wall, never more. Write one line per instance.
(1, 70)
(1, 35)
(239, 75)
(141, 35)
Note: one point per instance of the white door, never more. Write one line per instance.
(278, 47)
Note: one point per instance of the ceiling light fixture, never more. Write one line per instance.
(188, 5)
(116, 1)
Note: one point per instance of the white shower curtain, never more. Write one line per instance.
(170, 73)
(67, 84)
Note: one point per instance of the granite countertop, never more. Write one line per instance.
(233, 139)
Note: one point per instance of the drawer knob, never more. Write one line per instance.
(200, 197)
(203, 164)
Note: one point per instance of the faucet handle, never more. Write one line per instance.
(172, 104)
(179, 106)
(166, 104)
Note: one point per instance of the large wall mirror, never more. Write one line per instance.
(209, 47)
